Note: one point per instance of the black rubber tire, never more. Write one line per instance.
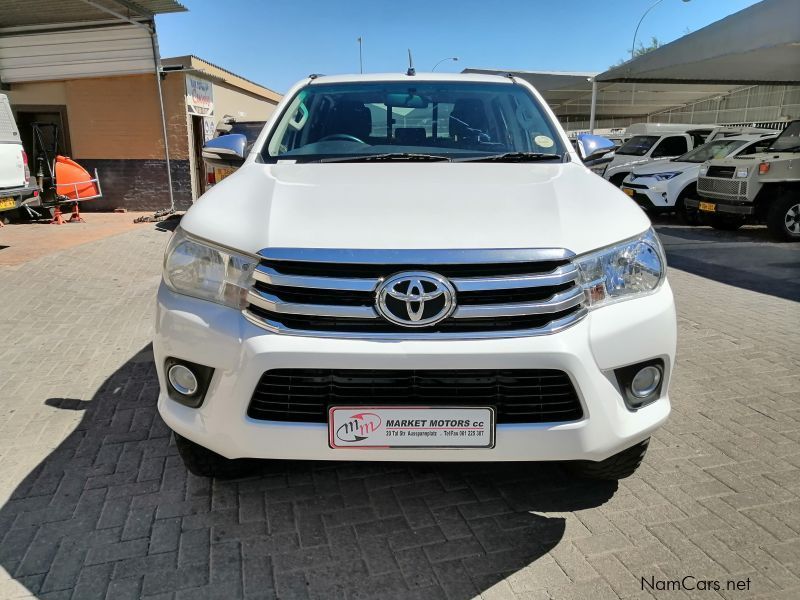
(205, 463)
(618, 178)
(725, 223)
(776, 216)
(619, 466)
(689, 216)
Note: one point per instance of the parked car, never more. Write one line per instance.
(757, 188)
(664, 186)
(229, 125)
(462, 291)
(650, 142)
(16, 184)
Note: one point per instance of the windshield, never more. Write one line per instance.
(788, 141)
(715, 149)
(437, 119)
(638, 145)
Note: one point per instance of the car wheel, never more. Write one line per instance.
(783, 218)
(726, 222)
(619, 466)
(205, 463)
(689, 216)
(618, 179)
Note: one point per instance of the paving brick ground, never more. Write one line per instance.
(96, 504)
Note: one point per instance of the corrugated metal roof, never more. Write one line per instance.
(760, 44)
(14, 13)
(215, 71)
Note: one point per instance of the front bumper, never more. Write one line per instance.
(240, 352)
(722, 206)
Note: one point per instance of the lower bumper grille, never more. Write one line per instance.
(519, 395)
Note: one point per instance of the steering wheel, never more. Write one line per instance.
(344, 137)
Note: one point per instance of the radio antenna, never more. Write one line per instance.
(411, 70)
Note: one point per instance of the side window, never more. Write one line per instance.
(757, 147)
(671, 146)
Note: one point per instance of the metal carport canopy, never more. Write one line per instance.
(45, 13)
(757, 45)
(569, 94)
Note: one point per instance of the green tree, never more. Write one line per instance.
(640, 50)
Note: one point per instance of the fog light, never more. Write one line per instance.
(187, 382)
(646, 381)
(641, 383)
(182, 379)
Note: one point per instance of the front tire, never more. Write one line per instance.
(619, 466)
(783, 218)
(205, 463)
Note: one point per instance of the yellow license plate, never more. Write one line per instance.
(708, 206)
(7, 203)
(628, 191)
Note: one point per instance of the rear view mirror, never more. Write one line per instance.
(225, 150)
(593, 148)
(406, 101)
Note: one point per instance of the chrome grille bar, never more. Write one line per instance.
(556, 303)
(265, 274)
(276, 305)
(560, 276)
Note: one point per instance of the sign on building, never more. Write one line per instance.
(199, 96)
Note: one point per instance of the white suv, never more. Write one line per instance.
(665, 185)
(413, 268)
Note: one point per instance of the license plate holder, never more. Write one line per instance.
(707, 206)
(7, 203)
(411, 427)
(628, 191)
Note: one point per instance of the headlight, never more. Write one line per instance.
(665, 176)
(208, 272)
(741, 172)
(626, 270)
(703, 169)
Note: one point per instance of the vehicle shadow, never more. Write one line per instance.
(112, 512)
(747, 258)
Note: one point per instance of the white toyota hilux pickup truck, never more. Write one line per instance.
(413, 267)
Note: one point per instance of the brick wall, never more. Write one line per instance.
(139, 184)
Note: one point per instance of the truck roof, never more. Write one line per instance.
(460, 77)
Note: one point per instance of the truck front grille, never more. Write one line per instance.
(333, 293)
(519, 395)
(722, 189)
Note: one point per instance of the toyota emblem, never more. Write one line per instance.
(416, 299)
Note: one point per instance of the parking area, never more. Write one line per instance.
(95, 503)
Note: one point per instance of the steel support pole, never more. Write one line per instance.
(593, 110)
(157, 61)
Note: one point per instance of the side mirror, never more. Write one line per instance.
(225, 150)
(593, 148)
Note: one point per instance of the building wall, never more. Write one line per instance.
(115, 127)
(230, 101)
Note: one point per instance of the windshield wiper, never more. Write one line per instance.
(390, 156)
(789, 149)
(512, 157)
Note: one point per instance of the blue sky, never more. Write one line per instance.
(277, 42)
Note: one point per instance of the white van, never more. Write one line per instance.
(15, 176)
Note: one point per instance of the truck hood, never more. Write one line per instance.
(415, 206)
(663, 167)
